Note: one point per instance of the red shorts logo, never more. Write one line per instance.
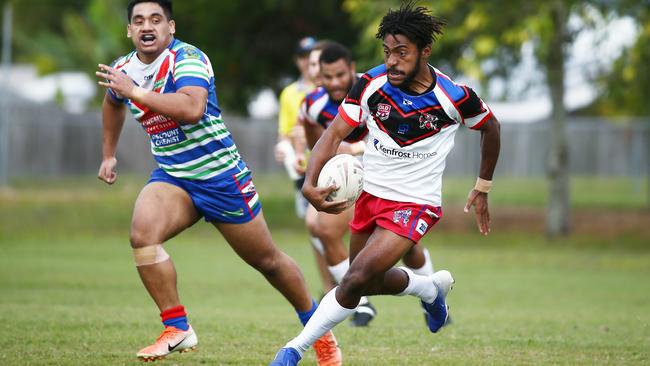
(407, 219)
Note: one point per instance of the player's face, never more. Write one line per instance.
(150, 30)
(337, 79)
(314, 67)
(403, 59)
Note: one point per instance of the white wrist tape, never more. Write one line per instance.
(148, 255)
(483, 185)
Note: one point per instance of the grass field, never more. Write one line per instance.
(70, 294)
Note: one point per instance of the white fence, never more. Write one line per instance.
(45, 141)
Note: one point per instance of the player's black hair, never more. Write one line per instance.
(333, 52)
(166, 5)
(415, 23)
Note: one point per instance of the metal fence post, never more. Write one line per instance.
(5, 94)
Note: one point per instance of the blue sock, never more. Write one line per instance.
(175, 317)
(305, 316)
(180, 323)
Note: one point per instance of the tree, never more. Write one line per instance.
(484, 40)
(626, 90)
(250, 42)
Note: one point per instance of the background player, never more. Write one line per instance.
(337, 75)
(168, 85)
(412, 112)
(291, 145)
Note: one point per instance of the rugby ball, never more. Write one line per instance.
(346, 172)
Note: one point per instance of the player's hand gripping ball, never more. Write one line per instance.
(345, 172)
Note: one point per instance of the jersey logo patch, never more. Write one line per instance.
(428, 122)
(191, 52)
(383, 111)
(162, 130)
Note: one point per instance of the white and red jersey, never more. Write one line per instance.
(409, 135)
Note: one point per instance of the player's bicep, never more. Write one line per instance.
(339, 128)
(198, 95)
(491, 124)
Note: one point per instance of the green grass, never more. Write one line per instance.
(71, 296)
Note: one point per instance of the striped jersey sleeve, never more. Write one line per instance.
(473, 109)
(191, 68)
(469, 109)
(353, 110)
(303, 113)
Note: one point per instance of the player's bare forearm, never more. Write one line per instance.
(298, 138)
(490, 147)
(113, 115)
(325, 148)
(355, 148)
(186, 105)
(312, 133)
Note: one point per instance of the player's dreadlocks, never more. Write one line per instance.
(417, 24)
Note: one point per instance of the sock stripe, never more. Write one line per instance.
(175, 312)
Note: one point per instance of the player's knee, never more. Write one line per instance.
(354, 282)
(140, 237)
(312, 227)
(267, 264)
(326, 233)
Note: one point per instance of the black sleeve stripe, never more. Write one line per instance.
(354, 95)
(471, 105)
(474, 115)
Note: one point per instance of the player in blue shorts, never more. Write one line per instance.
(168, 86)
(412, 112)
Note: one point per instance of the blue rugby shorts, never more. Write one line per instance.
(229, 198)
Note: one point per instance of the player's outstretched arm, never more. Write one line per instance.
(324, 149)
(478, 196)
(113, 115)
(187, 105)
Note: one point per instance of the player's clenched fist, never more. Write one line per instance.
(107, 170)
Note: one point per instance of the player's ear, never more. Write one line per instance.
(172, 27)
(353, 68)
(128, 30)
(426, 51)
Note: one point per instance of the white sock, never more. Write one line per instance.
(317, 244)
(363, 301)
(339, 270)
(427, 268)
(419, 286)
(327, 316)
